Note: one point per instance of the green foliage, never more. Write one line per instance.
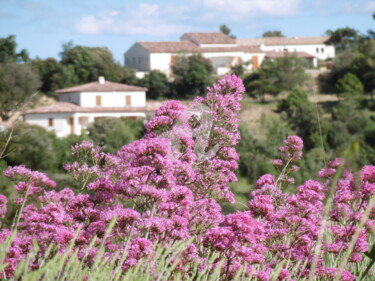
(90, 63)
(113, 133)
(349, 84)
(304, 118)
(275, 76)
(256, 153)
(343, 38)
(226, 30)
(273, 33)
(360, 61)
(157, 84)
(31, 146)
(238, 69)
(53, 75)
(8, 53)
(192, 76)
(62, 149)
(17, 84)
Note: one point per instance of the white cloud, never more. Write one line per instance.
(362, 7)
(142, 19)
(253, 8)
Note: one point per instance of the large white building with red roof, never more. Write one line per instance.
(81, 105)
(223, 51)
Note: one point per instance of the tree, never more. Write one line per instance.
(89, 63)
(17, 84)
(343, 38)
(226, 30)
(53, 75)
(113, 133)
(349, 84)
(301, 115)
(273, 33)
(157, 84)
(31, 146)
(8, 51)
(191, 75)
(275, 76)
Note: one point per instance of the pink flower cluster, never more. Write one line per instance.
(166, 187)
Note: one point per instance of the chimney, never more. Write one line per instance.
(101, 80)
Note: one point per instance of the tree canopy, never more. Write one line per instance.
(343, 38)
(157, 84)
(17, 84)
(191, 75)
(273, 33)
(8, 51)
(227, 31)
(275, 76)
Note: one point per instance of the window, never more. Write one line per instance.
(317, 50)
(50, 122)
(322, 50)
(128, 100)
(98, 100)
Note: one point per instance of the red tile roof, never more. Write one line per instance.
(185, 46)
(275, 55)
(273, 41)
(170, 46)
(65, 107)
(210, 38)
(107, 86)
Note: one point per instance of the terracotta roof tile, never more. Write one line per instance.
(107, 86)
(170, 46)
(270, 41)
(210, 38)
(185, 46)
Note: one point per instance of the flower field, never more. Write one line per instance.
(151, 211)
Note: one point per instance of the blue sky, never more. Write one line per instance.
(42, 26)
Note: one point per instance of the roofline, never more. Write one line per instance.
(62, 91)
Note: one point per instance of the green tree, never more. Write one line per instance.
(113, 133)
(31, 146)
(157, 84)
(53, 75)
(8, 51)
(304, 118)
(275, 76)
(273, 33)
(17, 84)
(191, 75)
(89, 63)
(226, 30)
(343, 38)
(349, 84)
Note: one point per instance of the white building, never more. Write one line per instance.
(81, 105)
(224, 51)
(220, 49)
(314, 46)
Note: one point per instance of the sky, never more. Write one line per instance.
(42, 26)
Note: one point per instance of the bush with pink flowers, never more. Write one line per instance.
(161, 194)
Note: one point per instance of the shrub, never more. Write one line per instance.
(158, 196)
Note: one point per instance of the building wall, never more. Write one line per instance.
(138, 58)
(113, 99)
(161, 62)
(321, 51)
(70, 97)
(61, 122)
